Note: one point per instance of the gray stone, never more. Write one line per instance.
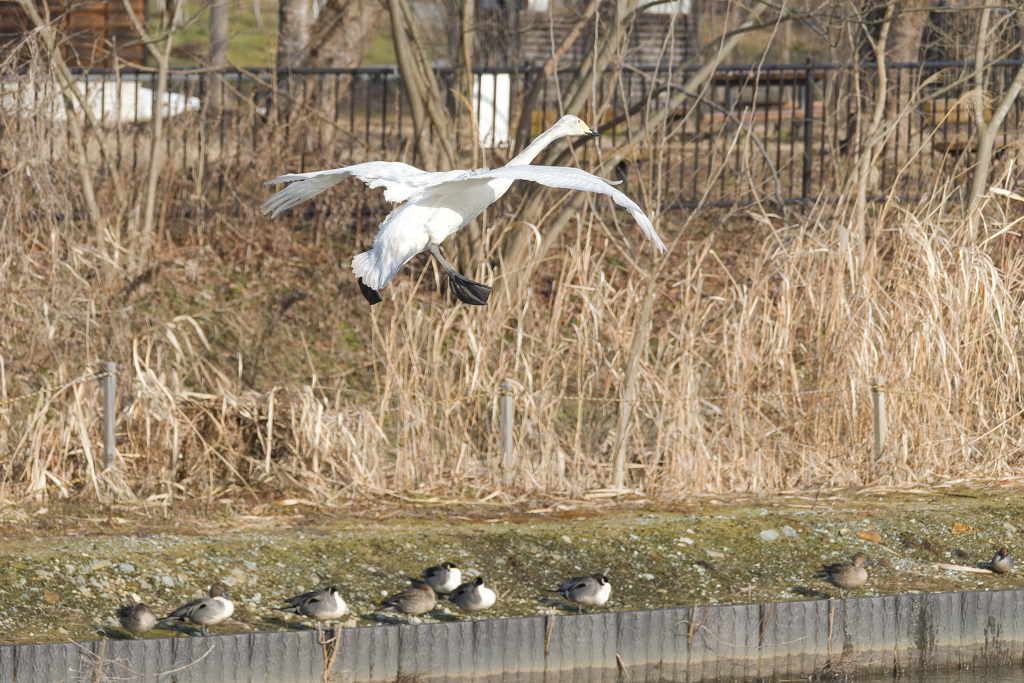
(769, 535)
(789, 532)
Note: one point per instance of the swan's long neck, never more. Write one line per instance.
(534, 148)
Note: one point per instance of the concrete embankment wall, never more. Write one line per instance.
(768, 641)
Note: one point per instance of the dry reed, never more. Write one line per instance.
(249, 368)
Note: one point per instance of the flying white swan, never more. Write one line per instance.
(437, 205)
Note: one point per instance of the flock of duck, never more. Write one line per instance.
(324, 606)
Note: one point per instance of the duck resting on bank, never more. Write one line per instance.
(849, 575)
(437, 205)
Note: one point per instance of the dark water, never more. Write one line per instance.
(986, 674)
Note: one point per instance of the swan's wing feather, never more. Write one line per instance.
(400, 181)
(569, 178)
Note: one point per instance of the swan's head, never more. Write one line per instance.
(573, 126)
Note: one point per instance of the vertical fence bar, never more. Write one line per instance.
(109, 409)
(505, 417)
(805, 189)
(878, 404)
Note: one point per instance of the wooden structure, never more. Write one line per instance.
(526, 32)
(647, 39)
(91, 29)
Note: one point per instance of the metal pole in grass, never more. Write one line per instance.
(878, 403)
(109, 407)
(505, 416)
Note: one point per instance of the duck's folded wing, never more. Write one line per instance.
(300, 599)
(400, 181)
(563, 177)
(187, 609)
(569, 584)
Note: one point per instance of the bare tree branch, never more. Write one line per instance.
(987, 130)
(67, 82)
(156, 146)
(75, 126)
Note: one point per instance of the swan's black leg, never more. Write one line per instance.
(369, 293)
(467, 291)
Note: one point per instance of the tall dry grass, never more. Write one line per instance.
(250, 369)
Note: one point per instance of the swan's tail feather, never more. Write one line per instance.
(369, 268)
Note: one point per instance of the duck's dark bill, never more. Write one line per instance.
(369, 293)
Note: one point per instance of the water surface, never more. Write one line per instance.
(977, 675)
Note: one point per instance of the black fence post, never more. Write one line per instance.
(808, 130)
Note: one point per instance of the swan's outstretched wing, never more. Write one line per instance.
(564, 177)
(400, 181)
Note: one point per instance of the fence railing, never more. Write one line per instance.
(803, 117)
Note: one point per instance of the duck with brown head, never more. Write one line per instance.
(586, 591)
(206, 612)
(1002, 562)
(320, 606)
(848, 575)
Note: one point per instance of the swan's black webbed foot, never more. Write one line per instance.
(369, 293)
(465, 290)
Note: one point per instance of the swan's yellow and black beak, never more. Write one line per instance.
(591, 133)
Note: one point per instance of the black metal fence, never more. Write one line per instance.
(775, 132)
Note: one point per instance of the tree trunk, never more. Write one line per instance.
(156, 143)
(295, 22)
(538, 82)
(518, 244)
(436, 148)
(343, 34)
(67, 84)
(600, 57)
(74, 125)
(987, 130)
(854, 235)
(218, 56)
(905, 42)
(470, 238)
(415, 89)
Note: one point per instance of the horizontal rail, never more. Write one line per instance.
(529, 68)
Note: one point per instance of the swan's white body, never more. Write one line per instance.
(436, 205)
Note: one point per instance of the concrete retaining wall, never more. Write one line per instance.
(770, 641)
